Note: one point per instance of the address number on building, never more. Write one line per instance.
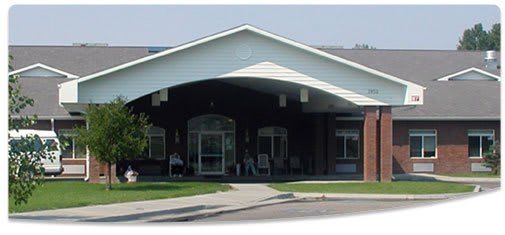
(373, 91)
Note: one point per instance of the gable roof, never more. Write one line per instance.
(250, 28)
(43, 66)
(442, 100)
(469, 70)
(80, 61)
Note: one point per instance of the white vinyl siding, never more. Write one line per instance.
(423, 143)
(269, 58)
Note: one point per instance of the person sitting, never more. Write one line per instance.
(249, 164)
(176, 165)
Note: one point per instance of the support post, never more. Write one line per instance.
(370, 144)
(386, 144)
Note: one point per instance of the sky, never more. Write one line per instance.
(384, 27)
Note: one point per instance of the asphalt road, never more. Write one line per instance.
(310, 208)
(322, 208)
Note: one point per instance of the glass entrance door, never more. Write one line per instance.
(211, 153)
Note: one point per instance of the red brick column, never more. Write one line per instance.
(386, 144)
(113, 175)
(370, 144)
(94, 170)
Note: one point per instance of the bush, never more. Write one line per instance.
(492, 158)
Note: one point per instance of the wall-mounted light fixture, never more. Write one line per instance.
(164, 95)
(282, 100)
(177, 137)
(304, 95)
(155, 99)
(247, 135)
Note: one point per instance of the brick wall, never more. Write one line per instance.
(452, 144)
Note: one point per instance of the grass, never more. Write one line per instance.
(63, 194)
(398, 187)
(474, 174)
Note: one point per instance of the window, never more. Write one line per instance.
(273, 141)
(156, 138)
(71, 149)
(423, 143)
(479, 142)
(347, 144)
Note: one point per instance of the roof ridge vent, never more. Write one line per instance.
(88, 44)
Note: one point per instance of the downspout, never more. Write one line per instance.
(52, 124)
(87, 156)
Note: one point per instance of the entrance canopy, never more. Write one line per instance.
(241, 56)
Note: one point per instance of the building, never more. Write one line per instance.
(312, 110)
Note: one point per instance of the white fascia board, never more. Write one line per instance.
(472, 69)
(448, 118)
(261, 32)
(40, 65)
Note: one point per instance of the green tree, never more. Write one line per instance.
(26, 152)
(494, 37)
(492, 158)
(476, 38)
(114, 133)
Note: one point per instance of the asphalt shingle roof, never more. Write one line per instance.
(80, 61)
(442, 99)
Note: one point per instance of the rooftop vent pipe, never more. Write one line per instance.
(490, 60)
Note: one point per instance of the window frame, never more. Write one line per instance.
(261, 133)
(423, 135)
(161, 134)
(480, 135)
(349, 133)
(68, 133)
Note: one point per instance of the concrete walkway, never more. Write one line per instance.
(241, 197)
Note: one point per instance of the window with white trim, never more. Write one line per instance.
(156, 144)
(273, 141)
(72, 150)
(423, 143)
(347, 144)
(479, 142)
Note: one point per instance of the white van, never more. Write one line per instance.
(51, 164)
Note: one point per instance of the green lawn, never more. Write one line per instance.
(62, 194)
(399, 187)
(474, 174)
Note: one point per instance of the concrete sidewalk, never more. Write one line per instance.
(241, 197)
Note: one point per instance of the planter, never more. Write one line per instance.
(132, 179)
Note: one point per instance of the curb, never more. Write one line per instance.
(350, 196)
(203, 213)
(432, 177)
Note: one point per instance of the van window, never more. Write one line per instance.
(51, 144)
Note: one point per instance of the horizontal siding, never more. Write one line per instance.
(39, 72)
(473, 76)
(269, 59)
